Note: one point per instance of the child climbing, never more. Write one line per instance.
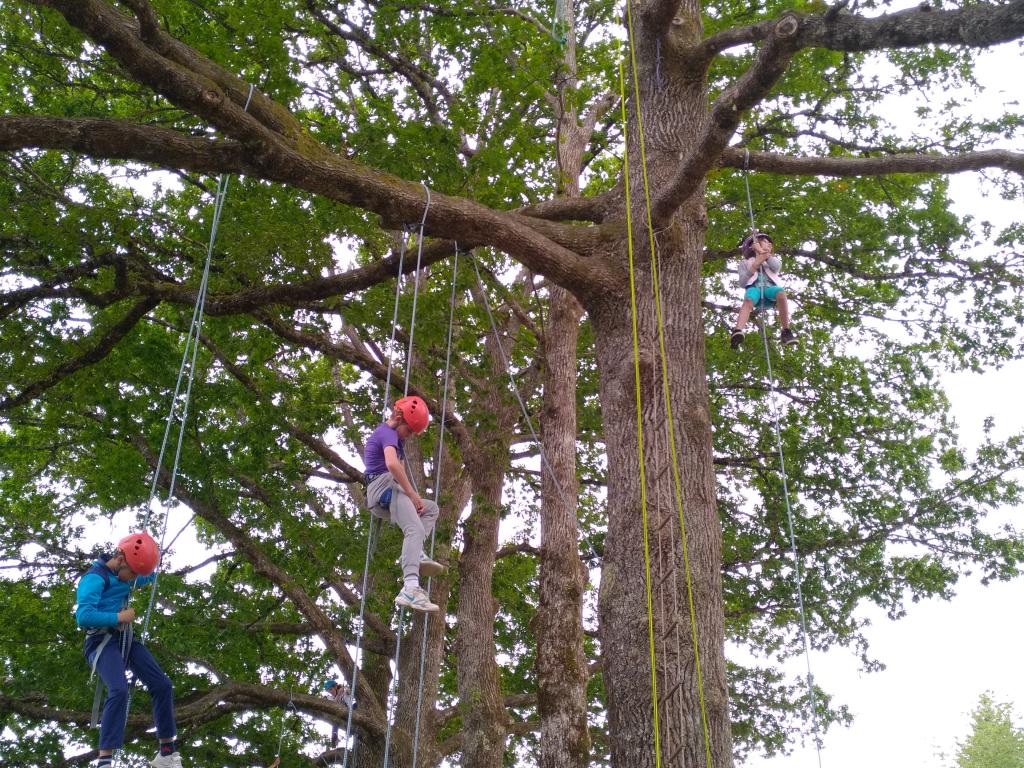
(391, 496)
(110, 647)
(337, 691)
(758, 275)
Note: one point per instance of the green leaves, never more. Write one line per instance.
(995, 741)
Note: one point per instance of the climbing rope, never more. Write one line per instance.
(512, 381)
(670, 425)
(392, 699)
(290, 707)
(188, 361)
(794, 554)
(375, 522)
(437, 496)
(746, 184)
(639, 422)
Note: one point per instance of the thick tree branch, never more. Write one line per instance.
(569, 208)
(875, 166)
(120, 139)
(206, 706)
(283, 152)
(99, 350)
(976, 25)
(748, 90)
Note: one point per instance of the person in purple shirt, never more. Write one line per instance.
(391, 495)
(110, 647)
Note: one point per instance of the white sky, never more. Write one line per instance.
(943, 654)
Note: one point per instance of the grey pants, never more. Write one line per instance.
(402, 513)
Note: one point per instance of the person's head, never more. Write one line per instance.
(331, 686)
(137, 555)
(411, 415)
(747, 246)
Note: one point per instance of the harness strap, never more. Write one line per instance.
(127, 637)
(97, 695)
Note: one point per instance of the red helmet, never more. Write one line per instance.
(747, 246)
(414, 412)
(141, 552)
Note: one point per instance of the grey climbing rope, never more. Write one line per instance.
(188, 360)
(512, 381)
(373, 520)
(794, 554)
(437, 495)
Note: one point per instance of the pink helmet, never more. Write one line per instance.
(414, 412)
(140, 552)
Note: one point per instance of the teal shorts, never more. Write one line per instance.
(763, 297)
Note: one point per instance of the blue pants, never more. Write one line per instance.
(111, 669)
(763, 296)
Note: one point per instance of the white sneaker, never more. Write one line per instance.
(414, 598)
(172, 760)
(430, 567)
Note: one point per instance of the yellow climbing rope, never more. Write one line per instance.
(677, 481)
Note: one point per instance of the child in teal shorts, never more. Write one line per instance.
(758, 275)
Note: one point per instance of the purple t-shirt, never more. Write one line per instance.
(373, 453)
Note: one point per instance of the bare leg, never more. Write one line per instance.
(782, 305)
(745, 309)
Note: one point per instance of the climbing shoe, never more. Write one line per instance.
(430, 567)
(736, 338)
(172, 760)
(416, 599)
(787, 338)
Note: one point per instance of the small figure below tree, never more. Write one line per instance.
(758, 275)
(110, 647)
(391, 496)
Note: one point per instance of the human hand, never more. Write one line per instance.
(762, 247)
(127, 616)
(418, 503)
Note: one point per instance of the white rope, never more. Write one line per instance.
(437, 496)
(797, 577)
(373, 520)
(189, 358)
(515, 388)
(391, 696)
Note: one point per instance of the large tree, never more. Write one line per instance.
(339, 117)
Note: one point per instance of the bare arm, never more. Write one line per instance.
(397, 470)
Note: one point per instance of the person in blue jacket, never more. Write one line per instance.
(110, 647)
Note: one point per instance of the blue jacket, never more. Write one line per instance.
(101, 595)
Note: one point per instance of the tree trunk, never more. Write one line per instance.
(432, 653)
(627, 632)
(561, 663)
(481, 706)
(484, 720)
